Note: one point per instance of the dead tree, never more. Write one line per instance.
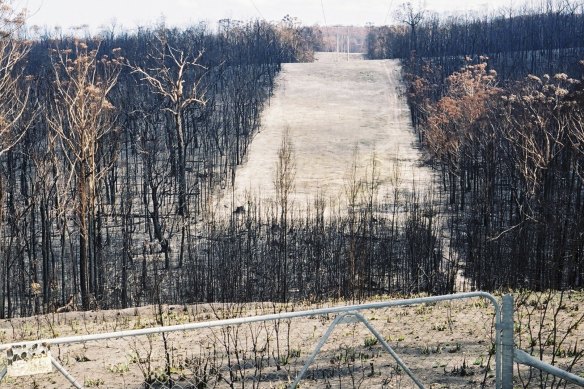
(13, 101)
(170, 78)
(284, 183)
(82, 118)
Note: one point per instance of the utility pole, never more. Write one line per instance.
(337, 56)
(348, 44)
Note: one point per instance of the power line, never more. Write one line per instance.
(29, 14)
(388, 11)
(257, 9)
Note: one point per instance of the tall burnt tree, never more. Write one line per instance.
(83, 119)
(13, 125)
(174, 78)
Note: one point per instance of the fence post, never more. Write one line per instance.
(507, 342)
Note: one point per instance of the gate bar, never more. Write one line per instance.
(66, 374)
(526, 359)
(254, 319)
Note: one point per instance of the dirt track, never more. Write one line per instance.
(332, 107)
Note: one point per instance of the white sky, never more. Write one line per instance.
(130, 13)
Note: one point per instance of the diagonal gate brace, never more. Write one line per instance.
(353, 317)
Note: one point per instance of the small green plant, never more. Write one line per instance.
(74, 324)
(427, 350)
(158, 375)
(283, 360)
(93, 382)
(574, 352)
(138, 325)
(420, 310)
(370, 341)
(133, 358)
(481, 303)
(119, 368)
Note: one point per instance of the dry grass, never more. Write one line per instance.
(330, 108)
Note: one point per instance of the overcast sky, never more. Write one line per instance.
(130, 13)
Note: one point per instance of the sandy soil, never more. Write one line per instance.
(435, 341)
(331, 108)
(446, 345)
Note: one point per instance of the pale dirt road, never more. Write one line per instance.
(332, 107)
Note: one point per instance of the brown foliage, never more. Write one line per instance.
(451, 121)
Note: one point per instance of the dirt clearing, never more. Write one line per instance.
(336, 112)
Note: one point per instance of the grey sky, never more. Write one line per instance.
(130, 13)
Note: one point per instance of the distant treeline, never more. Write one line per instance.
(505, 129)
(548, 39)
